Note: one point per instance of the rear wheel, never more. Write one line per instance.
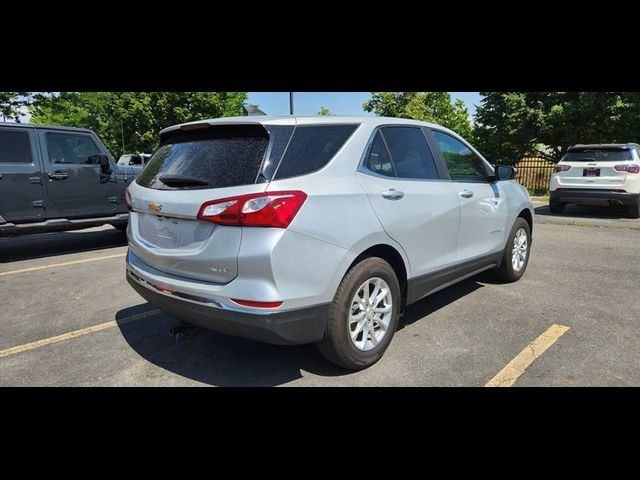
(363, 315)
(516, 253)
(634, 210)
(556, 207)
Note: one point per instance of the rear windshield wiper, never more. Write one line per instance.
(182, 181)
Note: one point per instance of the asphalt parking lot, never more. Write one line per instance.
(68, 318)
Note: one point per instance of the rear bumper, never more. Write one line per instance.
(291, 327)
(592, 196)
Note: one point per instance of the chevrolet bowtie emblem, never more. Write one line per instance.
(154, 207)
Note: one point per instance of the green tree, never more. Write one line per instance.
(324, 111)
(435, 107)
(510, 125)
(139, 115)
(12, 104)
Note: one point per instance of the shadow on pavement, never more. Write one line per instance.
(217, 359)
(579, 211)
(27, 247)
(438, 300)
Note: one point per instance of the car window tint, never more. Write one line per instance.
(14, 147)
(378, 159)
(410, 153)
(279, 136)
(463, 164)
(221, 156)
(70, 148)
(311, 148)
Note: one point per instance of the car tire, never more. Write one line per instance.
(512, 268)
(556, 207)
(122, 227)
(345, 343)
(634, 210)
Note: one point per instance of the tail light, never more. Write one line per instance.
(127, 198)
(561, 168)
(628, 168)
(267, 209)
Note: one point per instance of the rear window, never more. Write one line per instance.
(217, 157)
(598, 155)
(311, 148)
(14, 147)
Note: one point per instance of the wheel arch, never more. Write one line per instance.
(528, 217)
(394, 258)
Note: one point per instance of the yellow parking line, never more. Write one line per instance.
(74, 262)
(516, 367)
(74, 334)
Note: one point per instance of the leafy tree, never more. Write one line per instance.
(324, 111)
(140, 116)
(510, 125)
(435, 107)
(12, 104)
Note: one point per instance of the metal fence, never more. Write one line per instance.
(534, 173)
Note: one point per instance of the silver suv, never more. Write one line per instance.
(294, 230)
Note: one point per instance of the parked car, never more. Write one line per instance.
(135, 160)
(293, 230)
(58, 178)
(603, 174)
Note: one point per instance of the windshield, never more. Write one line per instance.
(598, 155)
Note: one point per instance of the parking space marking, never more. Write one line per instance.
(516, 367)
(74, 262)
(75, 334)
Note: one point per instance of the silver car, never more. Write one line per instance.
(293, 230)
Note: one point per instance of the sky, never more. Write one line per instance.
(339, 103)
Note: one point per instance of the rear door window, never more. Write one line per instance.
(311, 148)
(410, 153)
(378, 159)
(14, 147)
(217, 157)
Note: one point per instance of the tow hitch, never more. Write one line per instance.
(183, 332)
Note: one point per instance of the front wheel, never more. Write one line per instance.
(363, 315)
(516, 254)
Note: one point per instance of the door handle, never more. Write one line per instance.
(57, 175)
(393, 194)
(466, 194)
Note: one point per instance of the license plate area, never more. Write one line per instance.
(173, 233)
(591, 172)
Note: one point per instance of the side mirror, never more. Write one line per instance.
(504, 172)
(103, 161)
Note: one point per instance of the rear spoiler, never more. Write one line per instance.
(199, 129)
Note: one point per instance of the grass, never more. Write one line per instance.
(538, 192)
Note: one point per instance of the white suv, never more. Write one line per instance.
(604, 174)
(295, 230)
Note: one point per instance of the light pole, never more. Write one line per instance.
(122, 132)
(290, 103)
